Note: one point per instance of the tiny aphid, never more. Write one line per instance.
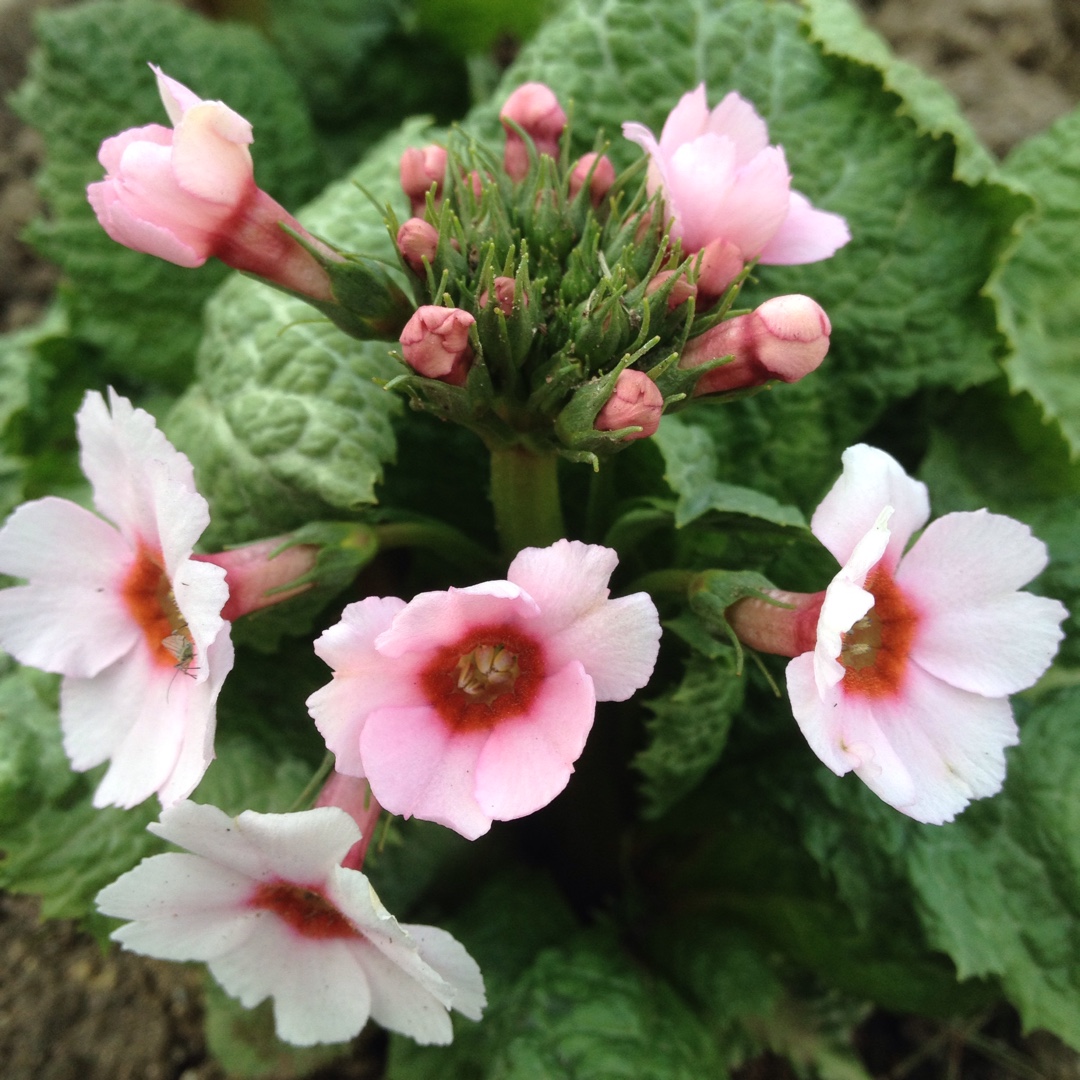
(183, 649)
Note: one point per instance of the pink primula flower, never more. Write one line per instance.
(721, 180)
(916, 654)
(263, 901)
(470, 705)
(188, 192)
(122, 610)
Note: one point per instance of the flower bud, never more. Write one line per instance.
(504, 295)
(681, 291)
(353, 795)
(420, 168)
(259, 574)
(636, 401)
(435, 343)
(786, 338)
(603, 176)
(718, 265)
(417, 240)
(534, 108)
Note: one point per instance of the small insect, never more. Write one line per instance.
(183, 649)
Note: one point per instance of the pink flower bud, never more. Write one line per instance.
(603, 176)
(718, 265)
(253, 573)
(188, 192)
(435, 343)
(635, 402)
(535, 109)
(786, 338)
(417, 240)
(420, 168)
(353, 795)
(504, 295)
(681, 291)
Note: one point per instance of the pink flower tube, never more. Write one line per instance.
(472, 705)
(188, 192)
(721, 180)
(903, 667)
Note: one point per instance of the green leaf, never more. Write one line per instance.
(286, 422)
(1038, 288)
(688, 730)
(1000, 888)
(905, 297)
(691, 467)
(89, 81)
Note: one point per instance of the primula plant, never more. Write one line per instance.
(417, 633)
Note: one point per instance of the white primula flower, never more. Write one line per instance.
(122, 610)
(263, 901)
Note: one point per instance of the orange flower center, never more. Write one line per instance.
(151, 602)
(491, 674)
(875, 650)
(304, 908)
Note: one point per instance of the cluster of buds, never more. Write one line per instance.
(557, 306)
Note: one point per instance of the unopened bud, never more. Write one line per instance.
(718, 265)
(535, 109)
(260, 574)
(353, 795)
(681, 291)
(504, 295)
(420, 168)
(418, 240)
(636, 401)
(786, 338)
(603, 176)
(435, 343)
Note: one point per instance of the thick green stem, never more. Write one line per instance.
(525, 493)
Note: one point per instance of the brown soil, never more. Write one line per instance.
(68, 1012)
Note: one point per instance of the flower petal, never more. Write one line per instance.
(757, 202)
(806, 235)
(737, 118)
(447, 956)
(527, 760)
(124, 225)
(871, 480)
(300, 847)
(212, 834)
(417, 766)
(688, 120)
(210, 158)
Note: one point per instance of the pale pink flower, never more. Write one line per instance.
(263, 901)
(907, 683)
(188, 192)
(636, 401)
(122, 610)
(472, 705)
(721, 180)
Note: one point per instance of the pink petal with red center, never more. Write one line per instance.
(979, 633)
(70, 618)
(527, 760)
(952, 743)
(871, 480)
(141, 483)
(417, 767)
(210, 158)
(806, 235)
(448, 958)
(434, 619)
(400, 1003)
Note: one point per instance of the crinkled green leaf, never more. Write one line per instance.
(89, 81)
(475, 26)
(904, 297)
(1000, 889)
(688, 730)
(1039, 287)
(691, 469)
(286, 422)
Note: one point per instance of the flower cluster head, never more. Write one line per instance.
(121, 609)
(722, 182)
(472, 705)
(263, 900)
(904, 676)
